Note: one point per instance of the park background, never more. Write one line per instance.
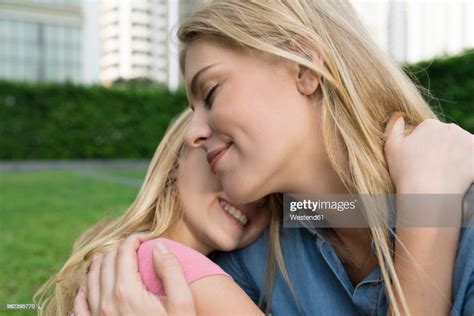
(77, 129)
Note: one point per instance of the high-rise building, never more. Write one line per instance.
(40, 40)
(418, 30)
(135, 37)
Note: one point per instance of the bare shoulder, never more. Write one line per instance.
(220, 295)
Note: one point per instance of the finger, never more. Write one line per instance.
(83, 286)
(390, 123)
(93, 284)
(395, 131)
(127, 262)
(81, 308)
(179, 297)
(107, 276)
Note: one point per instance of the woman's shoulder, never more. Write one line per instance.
(195, 265)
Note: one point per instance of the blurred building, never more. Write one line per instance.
(138, 36)
(419, 29)
(136, 39)
(105, 40)
(40, 40)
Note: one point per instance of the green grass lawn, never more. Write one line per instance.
(41, 213)
(132, 172)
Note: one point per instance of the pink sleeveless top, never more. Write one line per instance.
(195, 265)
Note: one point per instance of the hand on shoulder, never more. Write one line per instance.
(436, 158)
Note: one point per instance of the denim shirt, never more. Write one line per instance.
(321, 284)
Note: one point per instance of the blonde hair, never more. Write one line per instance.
(155, 209)
(360, 88)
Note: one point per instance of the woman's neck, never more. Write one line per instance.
(352, 245)
(318, 177)
(181, 233)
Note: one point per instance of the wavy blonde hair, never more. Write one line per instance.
(155, 209)
(360, 88)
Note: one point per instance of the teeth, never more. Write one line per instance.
(236, 213)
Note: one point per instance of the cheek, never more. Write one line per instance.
(276, 123)
(196, 178)
(206, 181)
(254, 106)
(259, 224)
(194, 193)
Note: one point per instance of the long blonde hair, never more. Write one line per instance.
(155, 209)
(360, 88)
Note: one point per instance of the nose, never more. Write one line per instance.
(199, 131)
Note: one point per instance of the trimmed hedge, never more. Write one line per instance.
(450, 81)
(63, 121)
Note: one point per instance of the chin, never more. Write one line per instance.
(226, 246)
(240, 192)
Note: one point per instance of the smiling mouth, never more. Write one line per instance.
(214, 156)
(234, 212)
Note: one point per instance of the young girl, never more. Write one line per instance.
(292, 96)
(182, 202)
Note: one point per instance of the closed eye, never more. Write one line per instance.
(209, 97)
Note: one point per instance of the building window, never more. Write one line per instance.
(141, 67)
(141, 39)
(141, 53)
(38, 51)
(141, 10)
(139, 24)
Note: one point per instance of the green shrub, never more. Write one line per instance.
(62, 120)
(69, 121)
(450, 81)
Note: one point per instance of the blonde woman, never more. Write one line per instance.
(114, 287)
(264, 102)
(292, 96)
(181, 202)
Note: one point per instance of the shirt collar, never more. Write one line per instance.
(318, 232)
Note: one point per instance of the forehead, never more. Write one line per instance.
(201, 53)
(226, 56)
(206, 51)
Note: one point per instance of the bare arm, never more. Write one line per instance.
(114, 287)
(424, 260)
(435, 159)
(220, 295)
(426, 275)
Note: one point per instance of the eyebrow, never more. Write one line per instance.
(194, 80)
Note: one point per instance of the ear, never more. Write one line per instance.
(307, 81)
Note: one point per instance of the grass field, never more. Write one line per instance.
(41, 213)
